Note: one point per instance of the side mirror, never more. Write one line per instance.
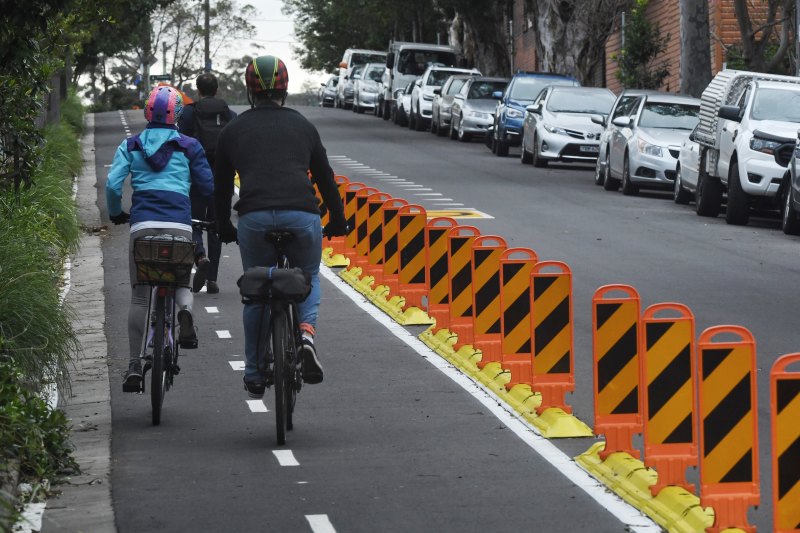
(599, 119)
(730, 112)
(622, 122)
(437, 91)
(418, 83)
(534, 108)
(323, 84)
(390, 59)
(343, 64)
(497, 95)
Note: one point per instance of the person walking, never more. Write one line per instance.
(273, 148)
(163, 165)
(204, 120)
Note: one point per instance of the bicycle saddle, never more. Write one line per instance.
(278, 237)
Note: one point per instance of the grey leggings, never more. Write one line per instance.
(140, 294)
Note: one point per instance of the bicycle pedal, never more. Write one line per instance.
(176, 370)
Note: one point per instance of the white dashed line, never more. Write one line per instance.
(236, 365)
(212, 310)
(257, 406)
(427, 194)
(224, 334)
(447, 204)
(319, 523)
(285, 458)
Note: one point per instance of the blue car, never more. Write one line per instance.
(509, 114)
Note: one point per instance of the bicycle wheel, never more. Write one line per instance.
(280, 332)
(292, 368)
(157, 371)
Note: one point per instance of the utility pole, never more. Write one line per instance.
(207, 64)
(164, 57)
(797, 37)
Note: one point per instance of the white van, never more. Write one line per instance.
(408, 61)
(353, 57)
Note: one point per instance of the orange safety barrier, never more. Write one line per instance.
(362, 236)
(411, 221)
(436, 269)
(785, 412)
(668, 393)
(391, 250)
(349, 199)
(552, 337)
(516, 265)
(336, 243)
(375, 234)
(728, 410)
(459, 272)
(615, 349)
(486, 253)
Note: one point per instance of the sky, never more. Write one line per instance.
(276, 36)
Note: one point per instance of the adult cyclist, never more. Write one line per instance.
(163, 166)
(273, 148)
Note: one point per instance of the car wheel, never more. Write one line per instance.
(609, 183)
(738, 209)
(525, 156)
(789, 221)
(599, 174)
(434, 127)
(500, 148)
(628, 188)
(679, 194)
(411, 120)
(463, 136)
(441, 131)
(388, 109)
(453, 131)
(419, 121)
(538, 162)
(708, 196)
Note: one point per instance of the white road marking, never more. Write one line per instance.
(319, 523)
(257, 406)
(212, 310)
(224, 334)
(446, 204)
(428, 194)
(627, 514)
(285, 458)
(236, 365)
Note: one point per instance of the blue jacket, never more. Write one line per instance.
(163, 165)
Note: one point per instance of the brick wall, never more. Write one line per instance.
(524, 40)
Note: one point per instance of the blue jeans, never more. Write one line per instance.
(305, 252)
(203, 209)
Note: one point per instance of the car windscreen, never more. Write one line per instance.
(776, 104)
(668, 115)
(455, 86)
(526, 89)
(374, 74)
(484, 89)
(416, 61)
(438, 77)
(594, 102)
(363, 59)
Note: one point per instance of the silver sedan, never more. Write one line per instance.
(473, 107)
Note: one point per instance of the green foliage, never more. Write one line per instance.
(638, 62)
(30, 432)
(72, 112)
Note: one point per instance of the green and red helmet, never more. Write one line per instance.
(266, 73)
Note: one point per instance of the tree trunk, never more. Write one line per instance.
(695, 47)
(481, 39)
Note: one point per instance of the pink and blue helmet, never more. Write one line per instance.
(164, 105)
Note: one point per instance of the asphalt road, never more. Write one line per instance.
(388, 442)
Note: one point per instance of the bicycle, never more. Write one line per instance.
(165, 263)
(279, 288)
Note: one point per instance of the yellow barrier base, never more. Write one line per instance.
(557, 423)
(675, 509)
(351, 275)
(494, 377)
(329, 259)
(523, 400)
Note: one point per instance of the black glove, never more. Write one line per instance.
(335, 228)
(122, 218)
(226, 232)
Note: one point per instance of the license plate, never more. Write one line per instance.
(591, 149)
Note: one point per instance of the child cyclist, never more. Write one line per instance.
(163, 165)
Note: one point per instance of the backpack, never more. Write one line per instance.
(210, 116)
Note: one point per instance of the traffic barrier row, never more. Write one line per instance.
(506, 318)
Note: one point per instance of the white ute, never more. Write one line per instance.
(748, 125)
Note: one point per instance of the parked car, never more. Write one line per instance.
(346, 93)
(510, 109)
(351, 58)
(473, 107)
(327, 95)
(558, 125)
(624, 105)
(643, 151)
(365, 87)
(422, 95)
(688, 171)
(443, 101)
(790, 214)
(402, 99)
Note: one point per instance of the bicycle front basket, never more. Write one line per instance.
(163, 259)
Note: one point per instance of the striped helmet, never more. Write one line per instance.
(164, 105)
(266, 73)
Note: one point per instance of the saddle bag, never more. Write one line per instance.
(262, 284)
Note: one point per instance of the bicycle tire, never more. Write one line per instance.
(279, 333)
(292, 368)
(157, 370)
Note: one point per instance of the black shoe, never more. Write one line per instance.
(200, 273)
(133, 377)
(188, 337)
(254, 389)
(312, 369)
(212, 287)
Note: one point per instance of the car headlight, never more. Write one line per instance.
(649, 149)
(513, 113)
(555, 129)
(763, 145)
(478, 114)
(427, 97)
